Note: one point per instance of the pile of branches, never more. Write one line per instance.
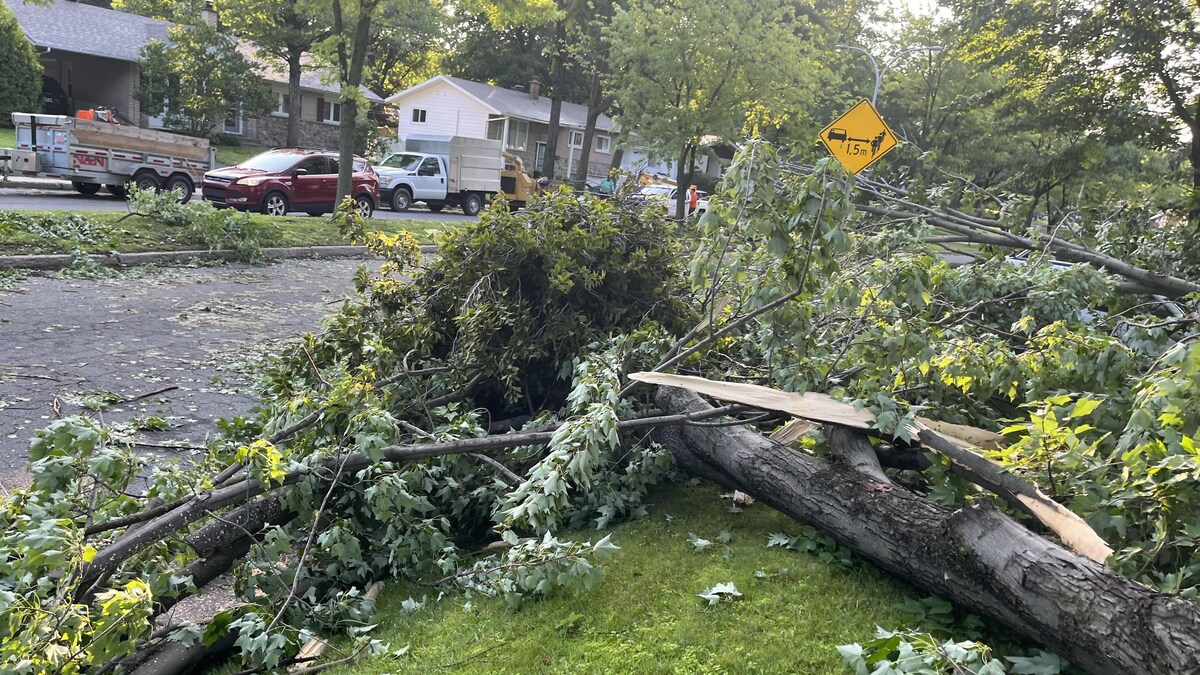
(447, 426)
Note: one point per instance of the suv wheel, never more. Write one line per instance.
(364, 206)
(472, 204)
(401, 199)
(275, 204)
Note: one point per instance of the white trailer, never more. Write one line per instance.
(91, 153)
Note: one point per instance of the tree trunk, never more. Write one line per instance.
(1194, 198)
(352, 72)
(556, 86)
(294, 107)
(977, 557)
(596, 107)
(683, 177)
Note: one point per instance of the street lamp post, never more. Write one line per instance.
(932, 49)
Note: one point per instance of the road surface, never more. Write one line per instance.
(191, 334)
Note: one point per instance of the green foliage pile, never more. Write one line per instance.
(20, 71)
(585, 270)
(1095, 391)
(203, 223)
(533, 319)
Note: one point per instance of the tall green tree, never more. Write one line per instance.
(199, 80)
(20, 72)
(281, 31)
(347, 48)
(408, 41)
(1127, 70)
(683, 69)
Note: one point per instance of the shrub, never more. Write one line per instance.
(20, 72)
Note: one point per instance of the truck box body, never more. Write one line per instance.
(473, 164)
(99, 152)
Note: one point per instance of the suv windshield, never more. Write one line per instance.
(402, 161)
(271, 162)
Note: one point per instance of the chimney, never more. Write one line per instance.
(535, 88)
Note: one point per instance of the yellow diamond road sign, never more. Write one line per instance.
(859, 138)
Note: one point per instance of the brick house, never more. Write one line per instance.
(92, 52)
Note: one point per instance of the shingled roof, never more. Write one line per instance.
(84, 29)
(513, 103)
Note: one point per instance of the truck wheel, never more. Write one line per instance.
(437, 207)
(364, 206)
(275, 204)
(116, 190)
(472, 204)
(85, 188)
(183, 184)
(147, 180)
(401, 199)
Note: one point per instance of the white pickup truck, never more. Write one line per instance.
(454, 170)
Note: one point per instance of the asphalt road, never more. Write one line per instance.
(185, 340)
(61, 200)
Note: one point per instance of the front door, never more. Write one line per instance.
(310, 190)
(539, 158)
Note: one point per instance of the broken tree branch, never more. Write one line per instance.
(977, 557)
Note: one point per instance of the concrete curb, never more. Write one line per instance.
(19, 183)
(61, 260)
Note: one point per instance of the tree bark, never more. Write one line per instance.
(557, 80)
(351, 66)
(977, 557)
(294, 108)
(597, 104)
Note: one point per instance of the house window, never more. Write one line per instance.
(603, 143)
(333, 113)
(518, 134)
(233, 123)
(418, 116)
(575, 140)
(495, 129)
(283, 104)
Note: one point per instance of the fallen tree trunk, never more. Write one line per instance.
(977, 557)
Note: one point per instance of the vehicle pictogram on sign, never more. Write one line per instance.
(858, 138)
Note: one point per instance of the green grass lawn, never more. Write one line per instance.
(105, 232)
(8, 137)
(228, 155)
(645, 616)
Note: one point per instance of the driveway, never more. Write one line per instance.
(183, 340)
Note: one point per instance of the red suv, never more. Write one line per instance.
(283, 180)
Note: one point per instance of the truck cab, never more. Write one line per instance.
(407, 177)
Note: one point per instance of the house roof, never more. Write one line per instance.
(512, 103)
(84, 29)
(310, 76)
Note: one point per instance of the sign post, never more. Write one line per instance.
(858, 138)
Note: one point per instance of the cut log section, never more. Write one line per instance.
(977, 557)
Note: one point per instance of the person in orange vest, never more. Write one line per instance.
(693, 200)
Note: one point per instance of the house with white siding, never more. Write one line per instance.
(452, 106)
(93, 52)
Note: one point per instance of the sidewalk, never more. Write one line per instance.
(26, 183)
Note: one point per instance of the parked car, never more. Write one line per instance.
(283, 180)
